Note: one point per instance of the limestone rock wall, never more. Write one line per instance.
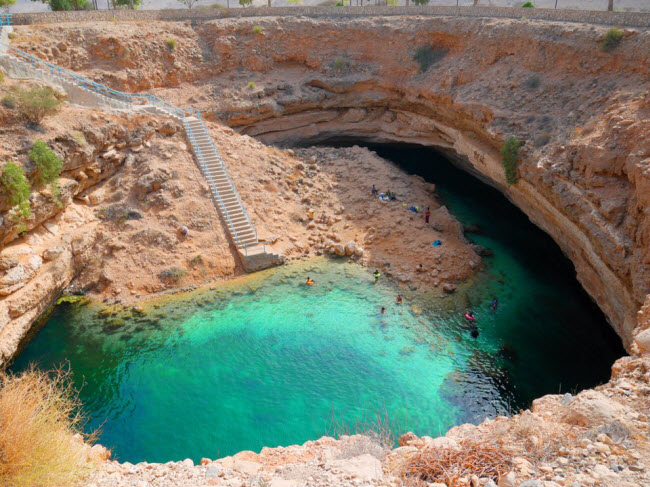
(581, 112)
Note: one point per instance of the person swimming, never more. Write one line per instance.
(383, 310)
(376, 275)
(474, 333)
(309, 281)
(399, 299)
(469, 316)
(494, 304)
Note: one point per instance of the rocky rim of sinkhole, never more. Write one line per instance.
(129, 184)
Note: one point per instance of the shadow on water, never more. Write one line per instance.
(544, 314)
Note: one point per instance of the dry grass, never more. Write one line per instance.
(539, 440)
(377, 429)
(447, 465)
(39, 416)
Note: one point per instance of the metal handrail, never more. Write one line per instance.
(230, 182)
(5, 19)
(144, 99)
(129, 99)
(214, 191)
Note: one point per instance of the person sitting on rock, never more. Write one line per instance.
(374, 190)
(376, 275)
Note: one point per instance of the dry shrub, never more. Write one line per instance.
(447, 465)
(39, 415)
(539, 440)
(376, 430)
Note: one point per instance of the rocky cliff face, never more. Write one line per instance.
(463, 87)
(457, 84)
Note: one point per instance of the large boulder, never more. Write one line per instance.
(338, 250)
(642, 341)
(592, 408)
(350, 248)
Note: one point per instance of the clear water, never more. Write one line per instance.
(267, 361)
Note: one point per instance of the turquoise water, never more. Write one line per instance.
(267, 361)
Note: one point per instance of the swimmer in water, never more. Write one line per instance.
(474, 333)
(383, 310)
(494, 304)
(309, 281)
(399, 299)
(469, 316)
(376, 274)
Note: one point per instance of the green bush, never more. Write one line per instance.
(611, 40)
(171, 44)
(37, 103)
(245, 3)
(172, 275)
(421, 2)
(339, 63)
(59, 5)
(48, 167)
(251, 85)
(427, 56)
(258, 29)
(15, 187)
(2, 76)
(528, 5)
(510, 153)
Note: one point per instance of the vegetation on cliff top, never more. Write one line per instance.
(611, 40)
(37, 447)
(510, 153)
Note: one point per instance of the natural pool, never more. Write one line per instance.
(267, 361)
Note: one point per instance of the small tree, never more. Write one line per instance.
(188, 3)
(510, 153)
(610, 5)
(37, 103)
(245, 3)
(5, 4)
(48, 167)
(132, 4)
(58, 5)
(611, 39)
(15, 186)
(421, 2)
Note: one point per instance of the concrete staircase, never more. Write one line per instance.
(85, 92)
